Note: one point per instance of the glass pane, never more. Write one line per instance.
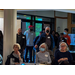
(24, 17)
(25, 26)
(73, 19)
(38, 28)
(42, 19)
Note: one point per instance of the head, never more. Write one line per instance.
(47, 30)
(56, 34)
(43, 47)
(31, 28)
(16, 47)
(19, 31)
(43, 30)
(66, 31)
(53, 32)
(1, 35)
(40, 33)
(63, 47)
(61, 35)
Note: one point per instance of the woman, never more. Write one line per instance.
(14, 57)
(63, 56)
(1, 43)
(43, 56)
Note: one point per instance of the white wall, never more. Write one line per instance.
(18, 25)
(2, 20)
(62, 23)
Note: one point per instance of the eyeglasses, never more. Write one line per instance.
(63, 46)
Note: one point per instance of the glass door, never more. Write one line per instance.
(25, 26)
(38, 28)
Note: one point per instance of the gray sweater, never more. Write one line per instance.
(29, 37)
(43, 57)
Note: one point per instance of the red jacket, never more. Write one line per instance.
(68, 39)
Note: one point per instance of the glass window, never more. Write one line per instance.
(73, 19)
(38, 28)
(24, 17)
(42, 19)
(25, 26)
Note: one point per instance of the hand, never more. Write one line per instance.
(61, 59)
(36, 46)
(65, 58)
(18, 53)
(17, 63)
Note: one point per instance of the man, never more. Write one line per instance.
(21, 39)
(34, 49)
(30, 35)
(66, 36)
(46, 38)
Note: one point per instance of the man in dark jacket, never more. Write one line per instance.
(46, 38)
(34, 49)
(61, 39)
(21, 39)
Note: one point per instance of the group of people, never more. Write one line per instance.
(48, 47)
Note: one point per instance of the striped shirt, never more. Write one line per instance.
(43, 57)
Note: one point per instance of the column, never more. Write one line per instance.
(10, 22)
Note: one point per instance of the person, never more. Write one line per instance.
(61, 39)
(15, 57)
(56, 36)
(43, 30)
(43, 56)
(34, 49)
(53, 33)
(21, 39)
(63, 56)
(1, 43)
(30, 35)
(66, 36)
(46, 38)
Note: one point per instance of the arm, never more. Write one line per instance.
(24, 42)
(37, 58)
(38, 41)
(49, 59)
(69, 40)
(53, 42)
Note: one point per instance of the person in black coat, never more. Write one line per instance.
(61, 39)
(15, 57)
(1, 43)
(21, 39)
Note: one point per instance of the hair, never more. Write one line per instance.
(16, 44)
(57, 33)
(65, 44)
(46, 48)
(43, 28)
(1, 35)
(48, 27)
(41, 31)
(61, 34)
(66, 29)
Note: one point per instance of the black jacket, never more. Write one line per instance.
(9, 57)
(22, 41)
(42, 39)
(59, 40)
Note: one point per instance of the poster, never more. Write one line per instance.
(72, 37)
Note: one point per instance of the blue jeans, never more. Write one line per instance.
(30, 53)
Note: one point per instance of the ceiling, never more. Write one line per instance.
(61, 10)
